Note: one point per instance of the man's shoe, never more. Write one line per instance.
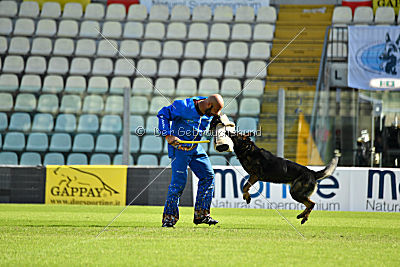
(207, 220)
(167, 224)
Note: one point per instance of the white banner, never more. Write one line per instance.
(211, 3)
(348, 189)
(374, 53)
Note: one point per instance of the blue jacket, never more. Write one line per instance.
(187, 124)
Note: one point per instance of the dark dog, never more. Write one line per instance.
(262, 165)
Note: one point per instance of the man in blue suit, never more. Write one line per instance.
(190, 118)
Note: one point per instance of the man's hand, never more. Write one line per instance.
(172, 140)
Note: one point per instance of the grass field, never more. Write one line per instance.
(66, 235)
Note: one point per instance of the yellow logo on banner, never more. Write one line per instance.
(86, 185)
(389, 3)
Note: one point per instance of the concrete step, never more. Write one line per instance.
(293, 69)
(307, 34)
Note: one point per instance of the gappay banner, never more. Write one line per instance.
(374, 53)
(86, 185)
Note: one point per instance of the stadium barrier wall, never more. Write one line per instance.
(348, 189)
(95, 185)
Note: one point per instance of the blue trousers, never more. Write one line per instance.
(200, 164)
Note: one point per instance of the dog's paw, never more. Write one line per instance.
(301, 215)
(246, 196)
(304, 220)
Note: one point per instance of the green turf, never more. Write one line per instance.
(66, 235)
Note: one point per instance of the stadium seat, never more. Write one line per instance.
(216, 50)
(30, 159)
(100, 159)
(42, 122)
(28, 9)
(3, 43)
(249, 107)
(151, 125)
(165, 86)
(176, 31)
(68, 28)
(201, 13)
(212, 69)
(124, 67)
(53, 159)
(116, 12)
(384, 15)
(172, 49)
(114, 104)
(48, 103)
(111, 124)
(60, 142)
(168, 68)
(102, 66)
(134, 143)
(223, 14)
(72, 11)
(263, 32)
(58, 65)
(118, 84)
(118, 160)
(180, 13)
(89, 29)
(147, 67)
(336, 50)
(25, 102)
(19, 46)
(9, 82)
(151, 144)
(154, 30)
(53, 84)
(36, 65)
(46, 27)
(23, 26)
(218, 160)
(75, 85)
(230, 87)
(94, 11)
(238, 50)
(6, 102)
(260, 50)
(256, 69)
(136, 123)
(14, 141)
(3, 121)
(93, 104)
(83, 143)
(137, 12)
(97, 85)
(151, 48)
(142, 86)
(244, 14)
(133, 30)
(198, 31)
(246, 124)
(85, 47)
(71, 104)
(88, 123)
(234, 69)
(6, 26)
(8, 158)
(13, 64)
(234, 161)
(30, 83)
(342, 15)
(20, 121)
(37, 142)
(363, 15)
(77, 159)
(147, 160)
(231, 106)
(51, 10)
(41, 46)
(129, 48)
(266, 14)
(65, 123)
(208, 87)
(195, 50)
(253, 88)
(159, 13)
(80, 66)
(106, 143)
(165, 161)
(220, 31)
(158, 102)
(241, 32)
(112, 29)
(186, 87)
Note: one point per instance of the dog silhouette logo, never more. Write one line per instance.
(77, 182)
(381, 57)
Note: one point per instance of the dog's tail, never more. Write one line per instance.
(330, 168)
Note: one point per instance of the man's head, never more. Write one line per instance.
(212, 105)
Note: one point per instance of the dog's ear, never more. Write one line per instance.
(387, 38)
